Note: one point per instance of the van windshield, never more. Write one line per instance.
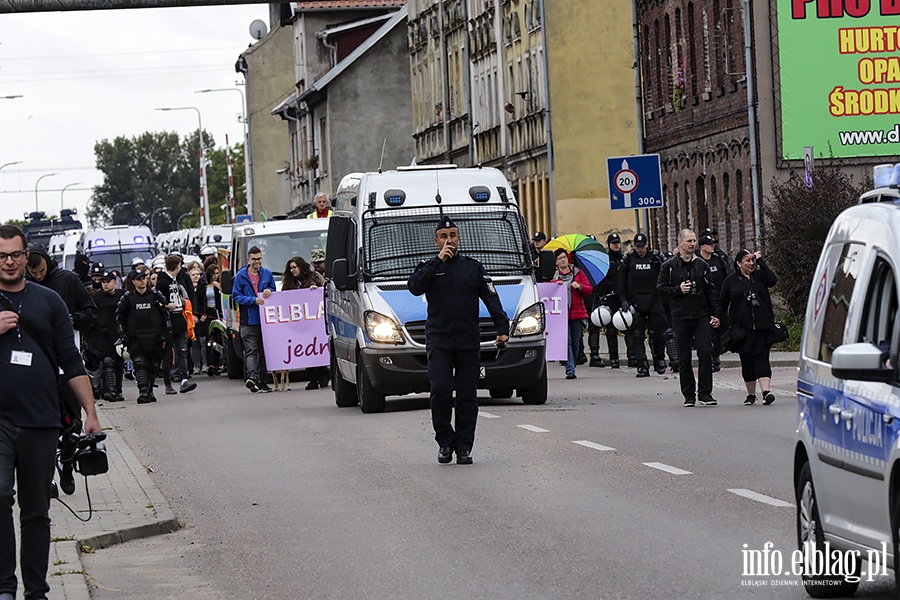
(396, 240)
(278, 248)
(114, 259)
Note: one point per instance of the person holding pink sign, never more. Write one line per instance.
(298, 275)
(578, 288)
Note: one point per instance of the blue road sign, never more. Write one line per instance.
(634, 182)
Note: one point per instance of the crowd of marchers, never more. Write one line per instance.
(695, 298)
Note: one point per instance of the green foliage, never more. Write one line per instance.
(157, 173)
(794, 324)
(16, 222)
(797, 222)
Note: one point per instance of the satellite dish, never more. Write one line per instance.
(258, 29)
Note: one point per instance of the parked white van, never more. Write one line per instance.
(116, 246)
(847, 456)
(376, 238)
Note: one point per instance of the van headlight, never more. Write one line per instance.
(382, 329)
(530, 321)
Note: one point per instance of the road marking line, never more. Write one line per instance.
(534, 429)
(761, 498)
(667, 468)
(593, 445)
(487, 415)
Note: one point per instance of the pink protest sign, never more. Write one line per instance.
(556, 313)
(293, 330)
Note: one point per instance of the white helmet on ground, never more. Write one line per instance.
(602, 316)
(623, 319)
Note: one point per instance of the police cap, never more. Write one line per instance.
(613, 238)
(640, 240)
(445, 223)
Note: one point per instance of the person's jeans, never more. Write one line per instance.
(177, 355)
(251, 339)
(27, 458)
(576, 328)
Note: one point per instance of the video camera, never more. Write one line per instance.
(90, 454)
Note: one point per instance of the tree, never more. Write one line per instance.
(217, 183)
(147, 172)
(798, 218)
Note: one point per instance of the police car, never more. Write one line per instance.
(847, 456)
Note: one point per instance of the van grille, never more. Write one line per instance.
(416, 330)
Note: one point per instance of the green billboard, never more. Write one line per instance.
(840, 77)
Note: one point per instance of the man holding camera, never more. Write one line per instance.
(452, 285)
(685, 280)
(36, 338)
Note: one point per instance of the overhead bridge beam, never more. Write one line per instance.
(25, 6)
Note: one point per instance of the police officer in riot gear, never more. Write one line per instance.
(605, 294)
(637, 279)
(144, 326)
(718, 270)
(453, 284)
(102, 338)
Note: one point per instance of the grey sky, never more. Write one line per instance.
(91, 75)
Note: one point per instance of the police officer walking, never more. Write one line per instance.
(452, 285)
(684, 279)
(718, 270)
(605, 293)
(637, 280)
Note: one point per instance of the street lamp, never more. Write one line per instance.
(10, 97)
(65, 187)
(36, 188)
(9, 164)
(248, 159)
(204, 200)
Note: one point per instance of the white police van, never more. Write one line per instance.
(382, 227)
(847, 457)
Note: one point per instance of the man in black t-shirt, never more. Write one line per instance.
(36, 338)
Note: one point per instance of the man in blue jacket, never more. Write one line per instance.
(252, 285)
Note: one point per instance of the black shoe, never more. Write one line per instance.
(129, 375)
(643, 372)
(750, 400)
(768, 398)
(445, 455)
(570, 375)
(689, 401)
(707, 400)
(212, 371)
(170, 391)
(144, 398)
(312, 385)
(263, 387)
(632, 363)
(582, 360)
(186, 386)
(66, 479)
(716, 367)
(660, 367)
(464, 457)
(614, 363)
(252, 386)
(54, 492)
(596, 361)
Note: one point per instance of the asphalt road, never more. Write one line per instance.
(610, 490)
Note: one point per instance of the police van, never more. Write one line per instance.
(279, 241)
(847, 456)
(117, 245)
(381, 228)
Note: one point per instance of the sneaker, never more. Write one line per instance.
(707, 400)
(689, 401)
(643, 372)
(582, 360)
(212, 371)
(313, 384)
(768, 398)
(186, 386)
(251, 385)
(170, 391)
(570, 375)
(614, 363)
(66, 478)
(750, 400)
(263, 387)
(144, 399)
(597, 362)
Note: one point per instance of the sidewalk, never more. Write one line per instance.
(126, 504)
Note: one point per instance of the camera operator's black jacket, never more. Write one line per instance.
(703, 302)
(737, 306)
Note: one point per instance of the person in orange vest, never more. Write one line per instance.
(322, 210)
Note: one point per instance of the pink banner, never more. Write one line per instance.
(293, 330)
(556, 312)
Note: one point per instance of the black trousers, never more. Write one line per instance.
(444, 380)
(690, 333)
(27, 458)
(653, 320)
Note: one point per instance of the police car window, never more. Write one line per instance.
(837, 302)
(880, 306)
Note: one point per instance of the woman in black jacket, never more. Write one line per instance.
(747, 309)
(209, 300)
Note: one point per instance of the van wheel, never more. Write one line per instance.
(536, 394)
(370, 401)
(344, 391)
(234, 363)
(809, 531)
(501, 393)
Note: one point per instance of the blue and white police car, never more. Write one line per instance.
(847, 456)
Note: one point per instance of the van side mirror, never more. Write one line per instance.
(546, 266)
(339, 274)
(227, 281)
(863, 362)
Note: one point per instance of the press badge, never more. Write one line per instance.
(19, 357)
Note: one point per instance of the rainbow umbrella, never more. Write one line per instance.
(589, 254)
